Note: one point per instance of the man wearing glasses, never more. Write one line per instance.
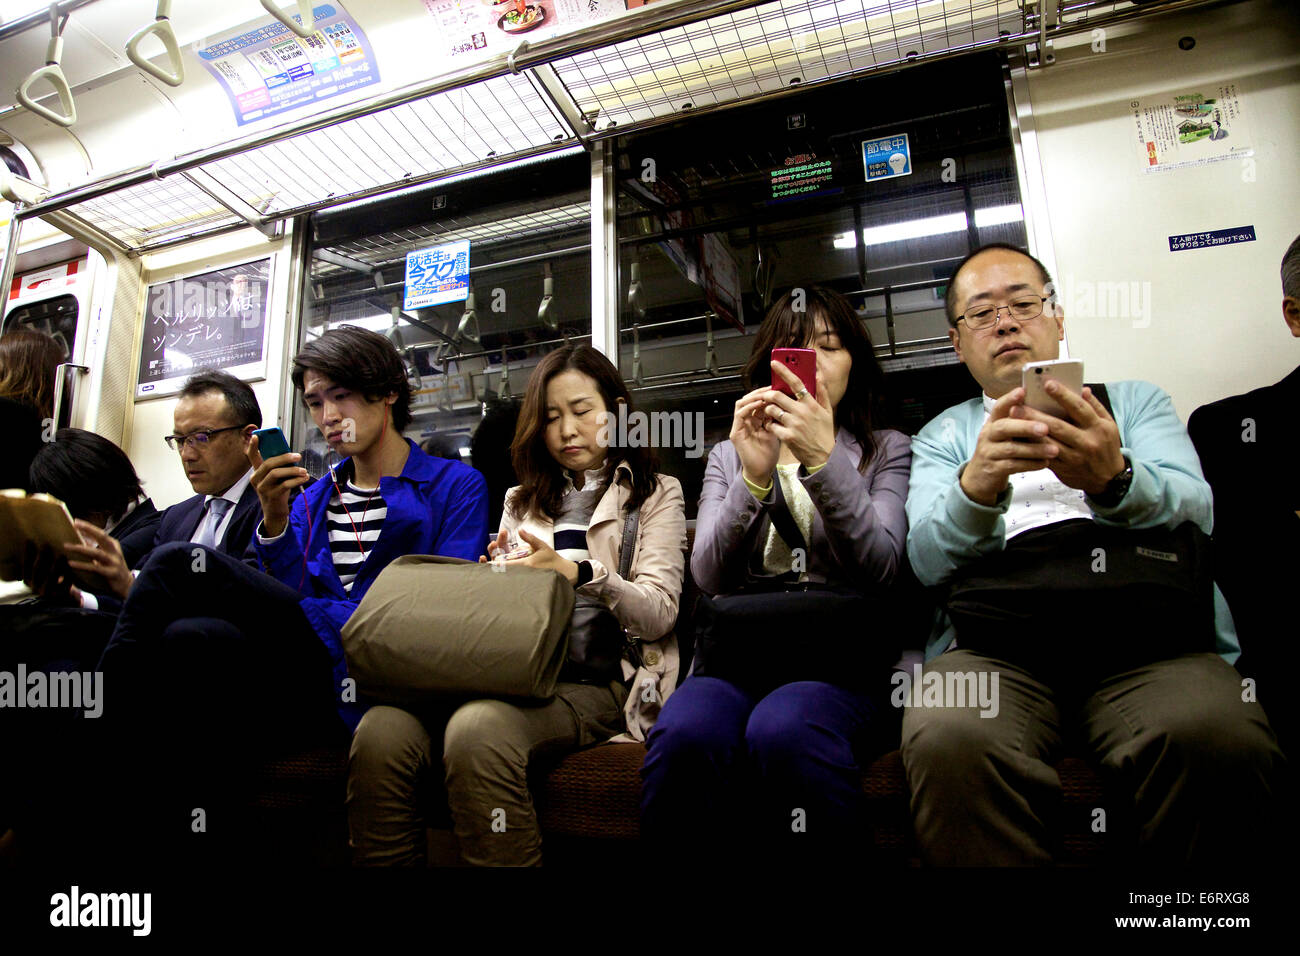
(214, 417)
(1086, 655)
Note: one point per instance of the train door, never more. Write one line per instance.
(56, 298)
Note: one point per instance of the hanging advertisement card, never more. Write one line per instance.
(214, 320)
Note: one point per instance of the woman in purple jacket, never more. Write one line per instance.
(723, 746)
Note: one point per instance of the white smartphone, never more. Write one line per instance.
(1035, 375)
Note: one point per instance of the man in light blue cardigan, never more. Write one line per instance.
(1179, 736)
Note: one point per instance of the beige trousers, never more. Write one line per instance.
(406, 770)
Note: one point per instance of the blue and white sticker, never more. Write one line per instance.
(887, 157)
(437, 275)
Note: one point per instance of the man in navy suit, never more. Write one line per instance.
(215, 415)
(1250, 451)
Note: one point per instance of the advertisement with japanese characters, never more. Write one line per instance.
(476, 29)
(1193, 128)
(437, 276)
(270, 70)
(211, 320)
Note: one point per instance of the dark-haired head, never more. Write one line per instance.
(818, 318)
(88, 473)
(563, 404)
(950, 299)
(360, 361)
(244, 409)
(28, 360)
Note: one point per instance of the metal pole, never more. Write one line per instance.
(10, 261)
(604, 253)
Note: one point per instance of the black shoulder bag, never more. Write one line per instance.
(777, 631)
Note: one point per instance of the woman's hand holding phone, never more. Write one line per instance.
(807, 424)
(757, 447)
(273, 480)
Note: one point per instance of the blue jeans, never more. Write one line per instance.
(722, 765)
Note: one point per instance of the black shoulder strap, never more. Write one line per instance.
(783, 521)
(1103, 396)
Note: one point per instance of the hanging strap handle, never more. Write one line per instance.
(305, 29)
(162, 29)
(54, 73)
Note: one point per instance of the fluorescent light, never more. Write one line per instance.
(464, 451)
(375, 323)
(462, 177)
(931, 226)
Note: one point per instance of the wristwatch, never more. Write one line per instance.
(1116, 488)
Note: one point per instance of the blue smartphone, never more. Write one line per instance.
(271, 442)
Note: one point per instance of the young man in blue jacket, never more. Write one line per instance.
(248, 658)
(1172, 728)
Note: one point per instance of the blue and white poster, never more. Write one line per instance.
(437, 275)
(270, 70)
(887, 157)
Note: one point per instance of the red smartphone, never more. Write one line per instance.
(803, 362)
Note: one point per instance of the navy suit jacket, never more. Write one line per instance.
(135, 532)
(180, 521)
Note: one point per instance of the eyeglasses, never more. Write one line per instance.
(986, 316)
(198, 438)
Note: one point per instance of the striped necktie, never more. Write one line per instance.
(216, 510)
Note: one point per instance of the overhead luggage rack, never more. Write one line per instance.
(643, 68)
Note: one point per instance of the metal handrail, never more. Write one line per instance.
(39, 18)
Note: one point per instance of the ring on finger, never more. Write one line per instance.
(800, 394)
(780, 419)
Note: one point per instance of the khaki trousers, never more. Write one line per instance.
(1195, 764)
(475, 757)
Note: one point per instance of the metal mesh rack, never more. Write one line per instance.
(639, 69)
(768, 49)
(537, 221)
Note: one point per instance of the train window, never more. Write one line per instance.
(528, 229)
(56, 316)
(712, 228)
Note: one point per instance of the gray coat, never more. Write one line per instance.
(859, 530)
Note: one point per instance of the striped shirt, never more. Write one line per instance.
(354, 522)
(576, 508)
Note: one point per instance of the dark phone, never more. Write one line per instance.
(271, 442)
(803, 362)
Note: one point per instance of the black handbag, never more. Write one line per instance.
(597, 641)
(1080, 589)
(777, 631)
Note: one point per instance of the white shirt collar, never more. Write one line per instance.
(234, 492)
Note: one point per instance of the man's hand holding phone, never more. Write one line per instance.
(273, 480)
(1088, 455)
(1008, 443)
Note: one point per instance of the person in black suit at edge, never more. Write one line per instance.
(1250, 452)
